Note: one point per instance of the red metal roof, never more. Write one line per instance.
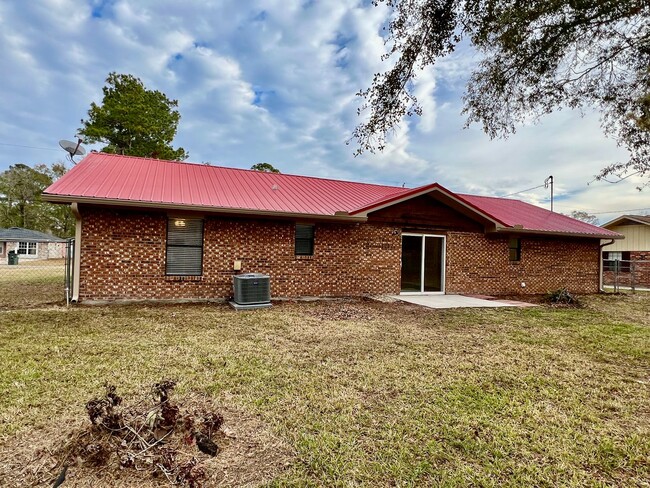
(515, 212)
(109, 178)
(113, 177)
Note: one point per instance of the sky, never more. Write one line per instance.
(275, 81)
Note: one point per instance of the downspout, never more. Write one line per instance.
(77, 252)
(600, 265)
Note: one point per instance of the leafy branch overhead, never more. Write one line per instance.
(133, 120)
(536, 57)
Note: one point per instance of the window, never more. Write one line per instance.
(185, 247)
(514, 249)
(616, 261)
(28, 248)
(304, 240)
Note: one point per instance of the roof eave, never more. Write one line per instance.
(514, 230)
(58, 240)
(338, 216)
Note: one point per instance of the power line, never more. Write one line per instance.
(624, 210)
(592, 213)
(29, 147)
(523, 191)
(599, 212)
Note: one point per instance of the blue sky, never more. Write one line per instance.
(275, 81)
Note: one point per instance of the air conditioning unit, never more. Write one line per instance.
(252, 289)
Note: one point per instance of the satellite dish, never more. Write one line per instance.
(72, 148)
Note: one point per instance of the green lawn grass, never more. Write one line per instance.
(32, 284)
(369, 393)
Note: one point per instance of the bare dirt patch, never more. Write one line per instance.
(190, 441)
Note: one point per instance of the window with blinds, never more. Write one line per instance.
(304, 240)
(185, 247)
(514, 249)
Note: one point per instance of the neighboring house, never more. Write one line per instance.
(631, 255)
(30, 244)
(162, 229)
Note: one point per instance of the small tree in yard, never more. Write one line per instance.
(133, 120)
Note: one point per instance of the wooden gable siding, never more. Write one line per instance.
(637, 237)
(425, 212)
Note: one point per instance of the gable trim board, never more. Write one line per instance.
(121, 234)
(634, 219)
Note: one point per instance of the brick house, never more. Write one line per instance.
(30, 244)
(152, 229)
(629, 259)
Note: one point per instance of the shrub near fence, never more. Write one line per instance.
(32, 283)
(626, 274)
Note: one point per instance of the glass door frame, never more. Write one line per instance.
(443, 258)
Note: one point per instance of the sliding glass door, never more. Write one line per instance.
(423, 263)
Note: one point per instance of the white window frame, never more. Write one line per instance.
(614, 255)
(443, 265)
(27, 247)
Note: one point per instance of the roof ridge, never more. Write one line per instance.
(494, 198)
(518, 201)
(321, 178)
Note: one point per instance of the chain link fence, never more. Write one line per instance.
(26, 283)
(625, 274)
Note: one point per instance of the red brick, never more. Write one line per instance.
(123, 256)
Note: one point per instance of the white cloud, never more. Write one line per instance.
(275, 81)
(424, 91)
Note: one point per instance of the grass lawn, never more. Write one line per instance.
(367, 393)
(32, 283)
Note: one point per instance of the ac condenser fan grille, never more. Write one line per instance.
(252, 288)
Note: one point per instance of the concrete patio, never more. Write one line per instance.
(459, 301)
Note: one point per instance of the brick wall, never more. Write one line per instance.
(641, 268)
(640, 264)
(123, 256)
(479, 264)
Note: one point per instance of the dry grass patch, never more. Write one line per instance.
(133, 455)
(368, 393)
(32, 284)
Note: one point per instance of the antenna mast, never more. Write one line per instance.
(549, 182)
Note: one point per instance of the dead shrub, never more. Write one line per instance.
(150, 436)
(562, 296)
